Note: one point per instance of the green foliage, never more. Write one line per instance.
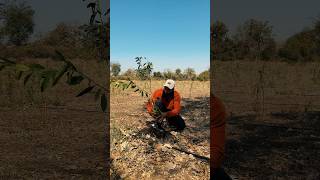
(50, 77)
(301, 47)
(85, 91)
(60, 73)
(87, 41)
(156, 112)
(63, 34)
(254, 40)
(190, 74)
(75, 80)
(157, 75)
(129, 74)
(221, 44)
(18, 22)
(179, 74)
(129, 84)
(47, 77)
(204, 76)
(115, 69)
(168, 74)
(144, 70)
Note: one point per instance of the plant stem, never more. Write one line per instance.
(91, 80)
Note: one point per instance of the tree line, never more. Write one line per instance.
(178, 74)
(17, 29)
(255, 40)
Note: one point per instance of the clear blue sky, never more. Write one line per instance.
(170, 33)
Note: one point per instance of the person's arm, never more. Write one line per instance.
(217, 127)
(176, 106)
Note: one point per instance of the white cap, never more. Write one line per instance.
(169, 84)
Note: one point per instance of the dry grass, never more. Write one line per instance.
(283, 142)
(51, 134)
(297, 85)
(146, 157)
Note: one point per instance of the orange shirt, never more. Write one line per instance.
(173, 105)
(217, 131)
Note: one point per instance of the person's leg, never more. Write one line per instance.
(177, 122)
(219, 174)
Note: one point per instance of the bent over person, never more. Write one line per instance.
(218, 118)
(165, 104)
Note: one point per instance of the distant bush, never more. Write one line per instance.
(254, 40)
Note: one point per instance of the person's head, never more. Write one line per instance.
(169, 86)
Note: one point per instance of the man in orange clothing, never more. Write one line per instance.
(167, 101)
(218, 118)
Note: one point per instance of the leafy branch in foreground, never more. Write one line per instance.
(50, 77)
(129, 84)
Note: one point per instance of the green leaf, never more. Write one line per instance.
(85, 91)
(60, 56)
(46, 78)
(45, 83)
(103, 102)
(123, 86)
(22, 67)
(7, 60)
(26, 79)
(48, 73)
(63, 70)
(19, 75)
(36, 67)
(75, 80)
(128, 85)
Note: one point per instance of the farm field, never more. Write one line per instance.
(137, 155)
(273, 129)
(51, 135)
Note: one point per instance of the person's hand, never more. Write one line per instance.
(160, 119)
(154, 115)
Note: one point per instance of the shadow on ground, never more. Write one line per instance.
(289, 149)
(196, 112)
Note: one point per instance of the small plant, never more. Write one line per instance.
(144, 71)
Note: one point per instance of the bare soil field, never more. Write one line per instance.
(51, 135)
(136, 154)
(273, 129)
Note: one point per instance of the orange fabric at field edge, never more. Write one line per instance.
(173, 105)
(218, 117)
